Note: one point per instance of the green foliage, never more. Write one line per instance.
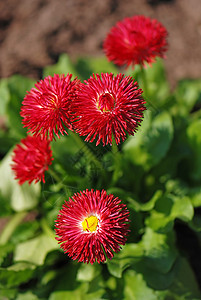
(152, 142)
(156, 173)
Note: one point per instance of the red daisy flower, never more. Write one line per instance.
(46, 108)
(31, 159)
(92, 225)
(108, 105)
(135, 40)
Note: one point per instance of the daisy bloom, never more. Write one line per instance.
(92, 225)
(46, 108)
(107, 106)
(136, 40)
(31, 159)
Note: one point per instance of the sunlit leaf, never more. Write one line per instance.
(88, 272)
(22, 197)
(136, 287)
(35, 250)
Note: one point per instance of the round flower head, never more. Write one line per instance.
(46, 108)
(107, 106)
(135, 40)
(92, 225)
(31, 159)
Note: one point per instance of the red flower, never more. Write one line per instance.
(135, 40)
(31, 159)
(46, 108)
(108, 105)
(92, 225)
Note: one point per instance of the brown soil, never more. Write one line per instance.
(34, 32)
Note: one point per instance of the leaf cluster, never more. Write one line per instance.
(156, 173)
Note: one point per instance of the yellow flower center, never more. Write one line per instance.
(90, 223)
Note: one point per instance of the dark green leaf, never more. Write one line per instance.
(152, 142)
(194, 139)
(16, 274)
(18, 86)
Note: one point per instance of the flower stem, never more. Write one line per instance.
(88, 153)
(54, 175)
(144, 79)
(11, 226)
(145, 87)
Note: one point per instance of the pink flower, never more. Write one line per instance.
(31, 159)
(92, 225)
(136, 40)
(46, 108)
(107, 106)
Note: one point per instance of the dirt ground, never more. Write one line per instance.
(34, 32)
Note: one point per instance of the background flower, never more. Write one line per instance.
(92, 225)
(46, 108)
(135, 40)
(108, 105)
(31, 159)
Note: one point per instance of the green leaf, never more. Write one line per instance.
(184, 287)
(132, 147)
(63, 66)
(25, 231)
(86, 66)
(195, 196)
(159, 250)
(182, 209)
(18, 86)
(129, 254)
(5, 250)
(27, 296)
(194, 139)
(35, 250)
(151, 203)
(187, 94)
(186, 282)
(159, 138)
(71, 294)
(152, 142)
(88, 272)
(167, 209)
(195, 223)
(22, 197)
(8, 293)
(16, 274)
(6, 142)
(136, 287)
(5, 210)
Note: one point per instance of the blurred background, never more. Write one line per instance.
(34, 33)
